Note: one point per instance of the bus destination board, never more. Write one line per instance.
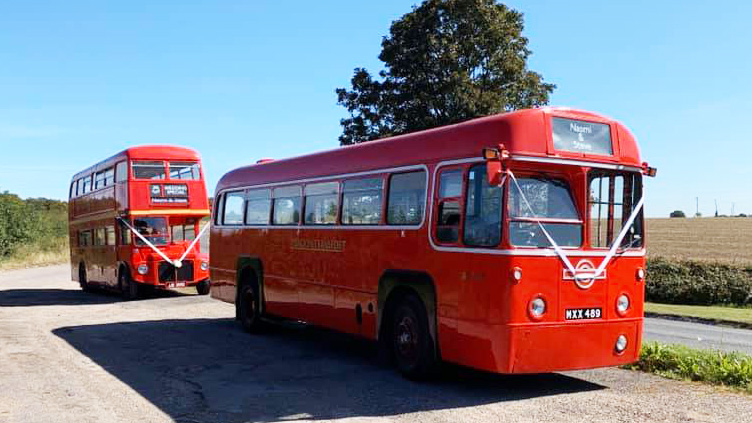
(579, 136)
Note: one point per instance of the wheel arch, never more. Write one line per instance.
(249, 269)
(396, 283)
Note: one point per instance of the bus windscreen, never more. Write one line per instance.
(580, 136)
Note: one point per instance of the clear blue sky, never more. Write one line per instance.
(241, 80)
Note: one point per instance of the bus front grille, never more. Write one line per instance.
(169, 273)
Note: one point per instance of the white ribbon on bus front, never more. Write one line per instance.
(147, 242)
(177, 263)
(567, 263)
(195, 240)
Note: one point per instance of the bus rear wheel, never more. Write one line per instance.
(412, 346)
(203, 287)
(249, 310)
(128, 287)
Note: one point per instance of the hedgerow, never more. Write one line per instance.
(697, 283)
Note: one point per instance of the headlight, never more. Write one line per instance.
(204, 266)
(537, 307)
(143, 269)
(621, 344)
(622, 304)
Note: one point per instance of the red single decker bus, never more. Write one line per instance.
(512, 243)
(135, 221)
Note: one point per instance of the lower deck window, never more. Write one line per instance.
(407, 198)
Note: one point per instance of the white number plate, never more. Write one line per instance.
(584, 313)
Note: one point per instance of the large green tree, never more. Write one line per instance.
(444, 62)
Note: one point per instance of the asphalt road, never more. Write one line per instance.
(697, 335)
(69, 356)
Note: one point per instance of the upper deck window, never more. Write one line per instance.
(184, 170)
(613, 196)
(148, 170)
(579, 136)
(407, 198)
(552, 205)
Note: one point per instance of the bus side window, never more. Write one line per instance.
(407, 198)
(84, 238)
(233, 210)
(449, 206)
(121, 172)
(361, 201)
(287, 205)
(321, 203)
(110, 235)
(483, 210)
(125, 234)
(258, 207)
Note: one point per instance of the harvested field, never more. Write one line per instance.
(726, 240)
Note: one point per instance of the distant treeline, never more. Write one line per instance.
(40, 223)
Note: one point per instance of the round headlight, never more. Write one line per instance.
(204, 266)
(537, 307)
(622, 304)
(621, 344)
(143, 269)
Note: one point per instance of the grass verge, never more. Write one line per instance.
(715, 314)
(44, 253)
(732, 370)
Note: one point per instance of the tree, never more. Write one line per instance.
(445, 62)
(677, 213)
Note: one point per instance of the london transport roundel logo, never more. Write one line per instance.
(584, 267)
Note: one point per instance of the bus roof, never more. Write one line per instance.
(524, 133)
(144, 152)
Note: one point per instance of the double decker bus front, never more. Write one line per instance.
(165, 221)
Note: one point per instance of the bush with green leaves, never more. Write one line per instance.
(680, 362)
(697, 283)
(37, 221)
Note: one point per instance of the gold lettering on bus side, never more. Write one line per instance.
(326, 245)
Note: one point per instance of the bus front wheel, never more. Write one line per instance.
(203, 287)
(128, 287)
(82, 278)
(412, 346)
(249, 310)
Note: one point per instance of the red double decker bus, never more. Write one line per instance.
(135, 221)
(512, 243)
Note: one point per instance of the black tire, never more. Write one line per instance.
(128, 287)
(412, 347)
(249, 311)
(85, 286)
(203, 287)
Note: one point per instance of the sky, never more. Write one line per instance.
(244, 80)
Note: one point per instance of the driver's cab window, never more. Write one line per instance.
(482, 210)
(449, 206)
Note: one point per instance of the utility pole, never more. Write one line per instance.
(732, 208)
(697, 207)
(716, 208)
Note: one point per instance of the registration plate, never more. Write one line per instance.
(176, 285)
(584, 313)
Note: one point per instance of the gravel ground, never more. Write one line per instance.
(68, 356)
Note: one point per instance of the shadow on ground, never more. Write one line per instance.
(209, 370)
(68, 297)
